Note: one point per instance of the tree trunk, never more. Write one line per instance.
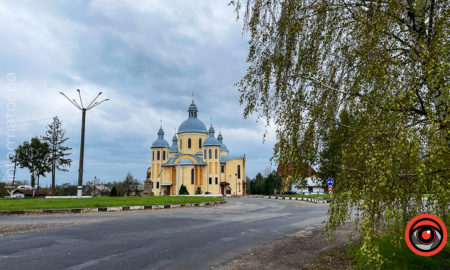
(53, 179)
(37, 189)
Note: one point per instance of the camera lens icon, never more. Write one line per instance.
(426, 235)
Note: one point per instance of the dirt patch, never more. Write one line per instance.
(7, 229)
(306, 249)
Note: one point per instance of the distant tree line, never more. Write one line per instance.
(93, 187)
(269, 184)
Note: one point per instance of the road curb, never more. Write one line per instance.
(105, 209)
(297, 199)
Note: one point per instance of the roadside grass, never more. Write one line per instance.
(401, 258)
(324, 196)
(30, 203)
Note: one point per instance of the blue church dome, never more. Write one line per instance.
(192, 124)
(223, 147)
(160, 142)
(174, 147)
(211, 140)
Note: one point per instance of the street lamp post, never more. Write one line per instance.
(236, 184)
(83, 124)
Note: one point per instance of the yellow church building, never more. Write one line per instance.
(197, 160)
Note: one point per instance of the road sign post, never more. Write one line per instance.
(330, 183)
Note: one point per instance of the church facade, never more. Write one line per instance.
(196, 159)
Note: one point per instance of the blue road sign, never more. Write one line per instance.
(330, 181)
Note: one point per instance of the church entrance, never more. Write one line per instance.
(165, 188)
(224, 186)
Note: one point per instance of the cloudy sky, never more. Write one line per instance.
(148, 57)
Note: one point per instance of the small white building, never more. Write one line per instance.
(314, 186)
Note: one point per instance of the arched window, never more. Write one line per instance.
(181, 144)
(210, 153)
(153, 155)
(200, 143)
(189, 143)
(158, 155)
(164, 155)
(215, 154)
(192, 176)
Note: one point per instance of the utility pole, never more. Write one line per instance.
(14, 175)
(83, 124)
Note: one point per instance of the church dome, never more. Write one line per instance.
(223, 147)
(211, 140)
(192, 124)
(174, 147)
(160, 142)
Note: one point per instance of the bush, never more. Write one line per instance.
(401, 257)
(198, 191)
(183, 190)
(113, 192)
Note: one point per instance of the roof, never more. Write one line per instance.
(160, 142)
(184, 161)
(28, 191)
(211, 140)
(286, 170)
(228, 157)
(174, 147)
(192, 124)
(223, 147)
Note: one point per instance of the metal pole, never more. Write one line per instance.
(236, 184)
(83, 124)
(14, 175)
(80, 169)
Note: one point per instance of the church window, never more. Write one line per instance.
(215, 154)
(189, 143)
(200, 143)
(157, 184)
(158, 155)
(164, 155)
(153, 155)
(210, 180)
(181, 144)
(217, 181)
(210, 153)
(239, 171)
(192, 176)
(222, 169)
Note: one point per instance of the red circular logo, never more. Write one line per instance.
(426, 235)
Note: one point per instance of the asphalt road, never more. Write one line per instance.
(189, 238)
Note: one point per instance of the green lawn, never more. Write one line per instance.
(27, 204)
(324, 196)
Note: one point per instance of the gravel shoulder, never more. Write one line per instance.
(306, 249)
